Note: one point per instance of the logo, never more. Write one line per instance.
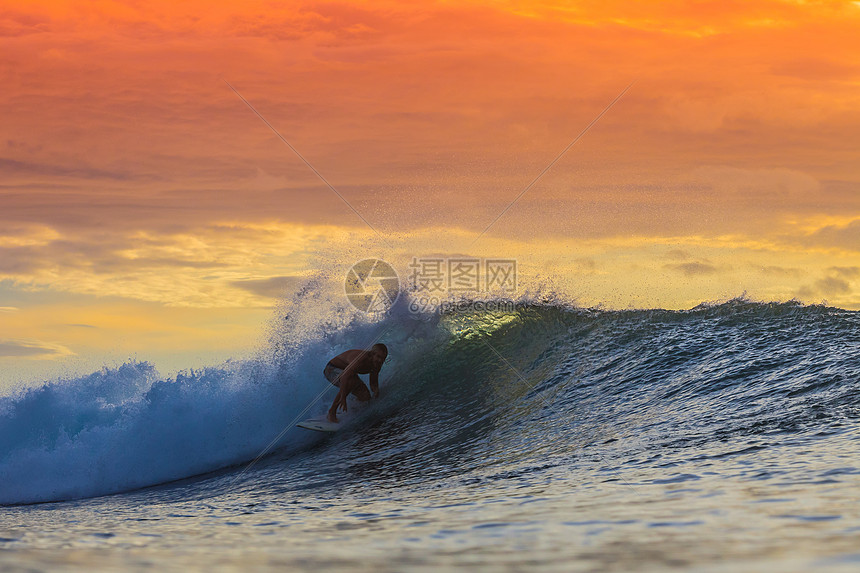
(372, 286)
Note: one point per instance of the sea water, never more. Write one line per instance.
(548, 437)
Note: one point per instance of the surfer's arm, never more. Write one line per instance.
(339, 402)
(374, 384)
(342, 393)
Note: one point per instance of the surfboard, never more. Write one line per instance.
(319, 424)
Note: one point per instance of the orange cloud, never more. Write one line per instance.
(32, 349)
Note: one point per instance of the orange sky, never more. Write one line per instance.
(133, 177)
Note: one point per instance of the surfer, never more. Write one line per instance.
(343, 371)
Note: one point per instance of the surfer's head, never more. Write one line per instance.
(380, 353)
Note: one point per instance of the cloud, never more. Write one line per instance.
(757, 185)
(272, 287)
(775, 270)
(585, 264)
(209, 266)
(693, 269)
(9, 309)
(13, 24)
(17, 261)
(120, 254)
(22, 235)
(846, 236)
(444, 97)
(18, 348)
(847, 272)
(678, 255)
(12, 167)
(816, 69)
(334, 23)
(830, 286)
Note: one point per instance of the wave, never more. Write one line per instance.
(542, 379)
(129, 427)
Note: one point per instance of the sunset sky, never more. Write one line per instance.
(146, 212)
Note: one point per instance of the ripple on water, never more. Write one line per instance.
(678, 478)
(809, 517)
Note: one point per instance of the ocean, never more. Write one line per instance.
(543, 438)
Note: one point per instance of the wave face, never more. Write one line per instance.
(482, 390)
(516, 392)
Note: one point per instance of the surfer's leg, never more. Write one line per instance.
(356, 387)
(361, 392)
(339, 400)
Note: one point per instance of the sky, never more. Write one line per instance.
(147, 212)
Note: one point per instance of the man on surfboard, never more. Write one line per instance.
(343, 371)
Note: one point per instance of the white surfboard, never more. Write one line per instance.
(319, 424)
